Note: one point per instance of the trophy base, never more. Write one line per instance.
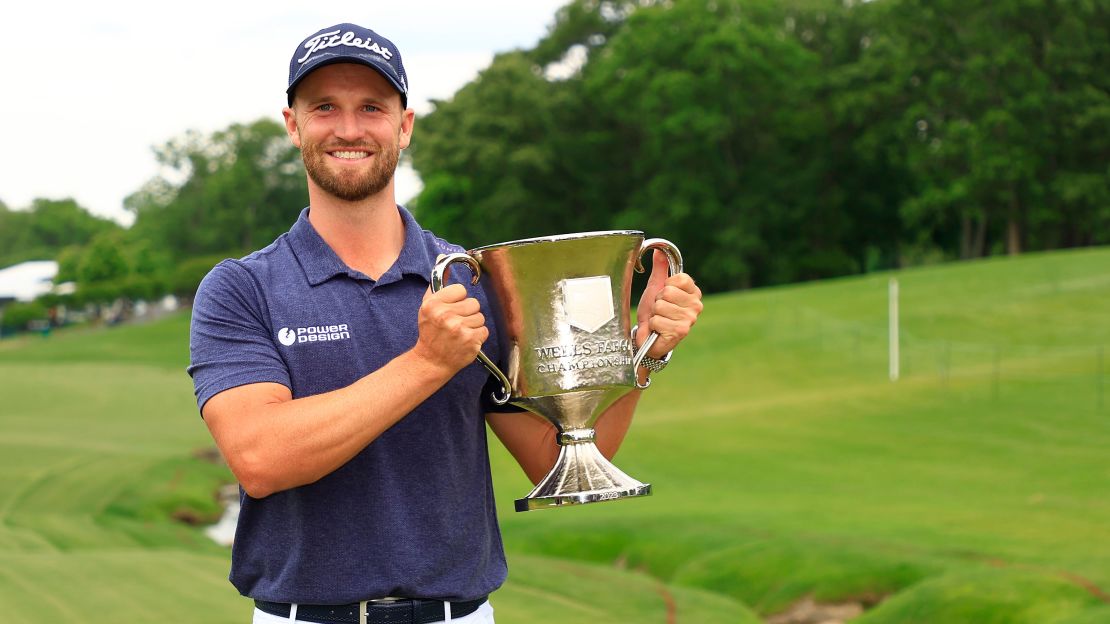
(581, 475)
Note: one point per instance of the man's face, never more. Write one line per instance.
(350, 126)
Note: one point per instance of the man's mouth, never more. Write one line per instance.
(350, 154)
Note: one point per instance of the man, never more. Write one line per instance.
(345, 395)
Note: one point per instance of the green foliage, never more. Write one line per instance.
(587, 24)
(981, 97)
(240, 189)
(784, 141)
(188, 274)
(493, 173)
(69, 262)
(17, 315)
(693, 91)
(103, 260)
(114, 265)
(47, 227)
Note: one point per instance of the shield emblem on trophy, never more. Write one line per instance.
(588, 302)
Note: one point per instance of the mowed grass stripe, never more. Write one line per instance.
(63, 501)
(84, 485)
(121, 586)
(111, 407)
(592, 593)
(28, 593)
(21, 478)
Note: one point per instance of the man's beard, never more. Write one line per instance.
(351, 185)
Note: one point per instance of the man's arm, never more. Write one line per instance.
(273, 442)
(669, 306)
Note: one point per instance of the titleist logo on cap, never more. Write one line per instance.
(334, 39)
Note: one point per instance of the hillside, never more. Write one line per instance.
(785, 465)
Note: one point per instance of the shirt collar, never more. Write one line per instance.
(320, 263)
(417, 256)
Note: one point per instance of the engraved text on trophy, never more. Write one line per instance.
(583, 355)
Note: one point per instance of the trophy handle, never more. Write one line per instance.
(438, 274)
(674, 264)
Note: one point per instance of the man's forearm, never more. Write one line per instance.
(277, 442)
(614, 422)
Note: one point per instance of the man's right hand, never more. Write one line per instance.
(274, 442)
(452, 328)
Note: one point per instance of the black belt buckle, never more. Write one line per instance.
(389, 611)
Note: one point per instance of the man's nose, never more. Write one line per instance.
(347, 127)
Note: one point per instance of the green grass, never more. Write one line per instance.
(784, 463)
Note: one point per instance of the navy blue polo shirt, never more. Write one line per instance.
(413, 513)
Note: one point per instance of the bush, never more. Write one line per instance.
(16, 316)
(143, 287)
(190, 272)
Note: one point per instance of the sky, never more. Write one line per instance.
(89, 89)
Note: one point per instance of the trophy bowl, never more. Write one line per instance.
(562, 309)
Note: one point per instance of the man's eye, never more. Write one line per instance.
(325, 107)
(370, 108)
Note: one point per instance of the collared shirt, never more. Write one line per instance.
(413, 513)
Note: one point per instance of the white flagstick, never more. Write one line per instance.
(893, 306)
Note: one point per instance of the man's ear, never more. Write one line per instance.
(408, 117)
(291, 126)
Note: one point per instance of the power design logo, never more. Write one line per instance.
(316, 333)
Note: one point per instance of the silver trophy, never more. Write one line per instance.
(562, 309)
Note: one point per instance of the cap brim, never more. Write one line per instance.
(348, 59)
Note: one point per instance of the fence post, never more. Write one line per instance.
(892, 307)
(998, 372)
(1100, 375)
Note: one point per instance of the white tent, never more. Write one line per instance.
(27, 280)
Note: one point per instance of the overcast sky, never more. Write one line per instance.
(89, 88)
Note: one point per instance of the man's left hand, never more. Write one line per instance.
(669, 306)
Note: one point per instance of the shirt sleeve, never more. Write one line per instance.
(231, 342)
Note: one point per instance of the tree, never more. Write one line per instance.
(716, 139)
(787, 140)
(241, 187)
(691, 120)
(492, 173)
(986, 101)
(48, 226)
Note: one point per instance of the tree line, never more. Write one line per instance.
(773, 141)
(786, 140)
(219, 195)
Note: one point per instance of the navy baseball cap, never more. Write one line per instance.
(348, 43)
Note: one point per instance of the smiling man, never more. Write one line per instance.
(345, 395)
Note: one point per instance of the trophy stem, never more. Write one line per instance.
(581, 475)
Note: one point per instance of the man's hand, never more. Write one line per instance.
(452, 328)
(274, 442)
(669, 306)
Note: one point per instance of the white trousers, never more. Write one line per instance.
(483, 615)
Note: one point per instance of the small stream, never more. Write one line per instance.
(223, 532)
